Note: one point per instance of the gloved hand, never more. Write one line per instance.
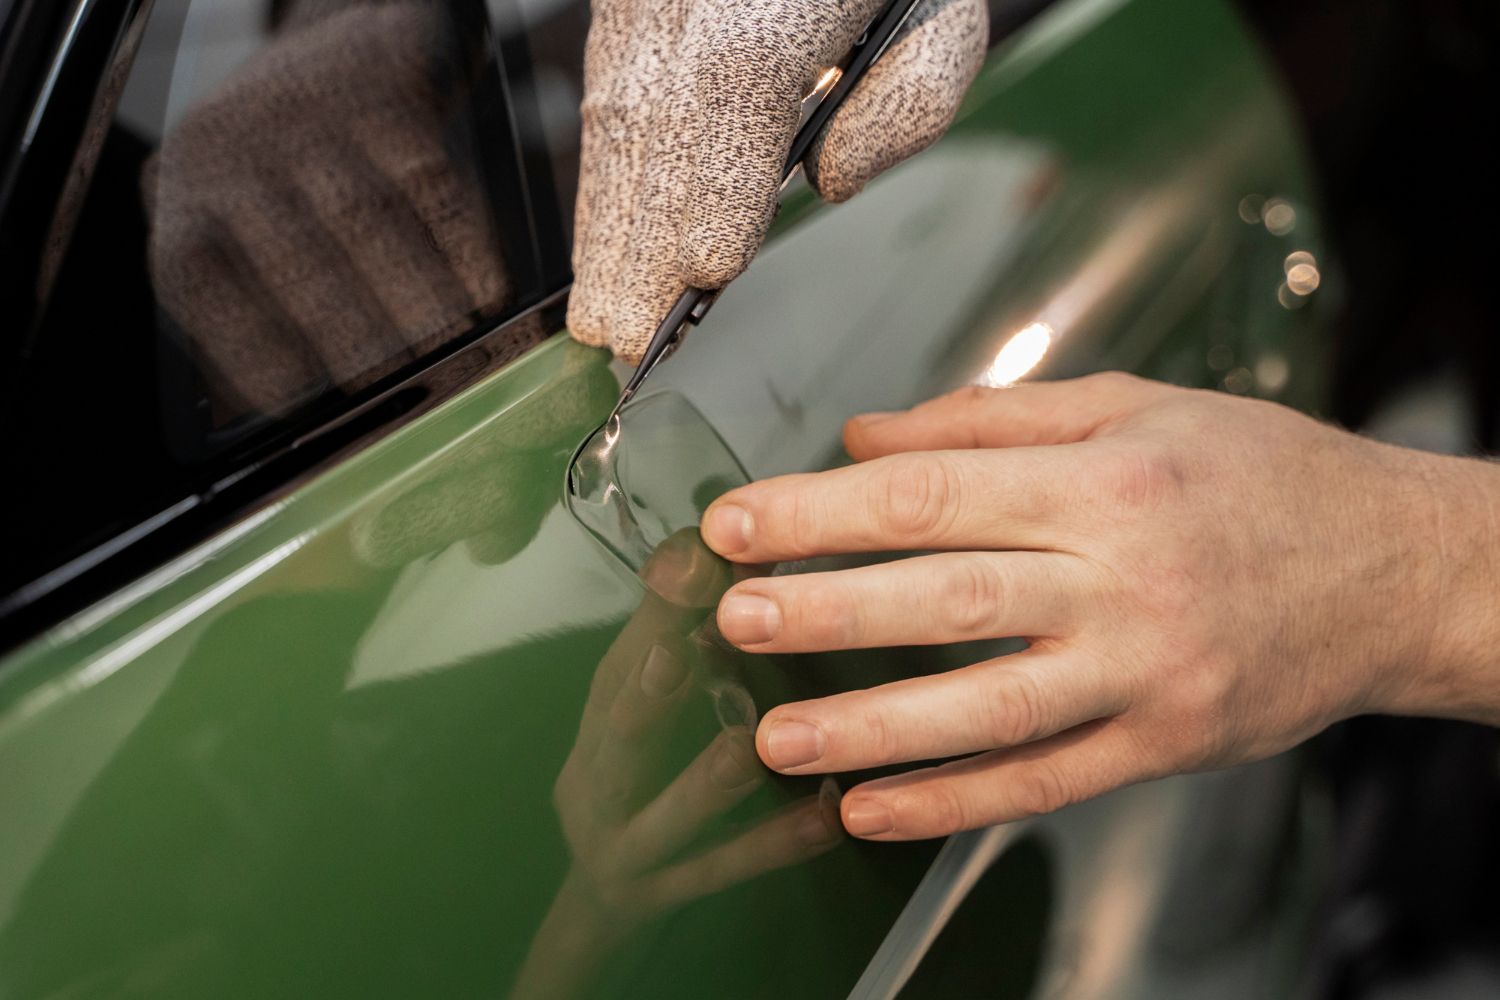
(689, 109)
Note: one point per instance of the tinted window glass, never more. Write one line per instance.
(297, 202)
(554, 31)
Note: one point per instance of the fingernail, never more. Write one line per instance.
(728, 529)
(749, 619)
(662, 673)
(685, 572)
(728, 772)
(793, 744)
(734, 707)
(865, 818)
(814, 828)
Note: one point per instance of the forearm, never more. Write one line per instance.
(577, 935)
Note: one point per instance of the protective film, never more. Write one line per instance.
(648, 473)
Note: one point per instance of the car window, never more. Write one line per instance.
(295, 204)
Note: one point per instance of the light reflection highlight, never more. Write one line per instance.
(1238, 381)
(1021, 354)
(1279, 216)
(1303, 279)
(1250, 208)
(1272, 373)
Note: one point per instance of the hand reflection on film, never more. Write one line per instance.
(644, 842)
(318, 221)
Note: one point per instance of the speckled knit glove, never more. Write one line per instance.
(689, 109)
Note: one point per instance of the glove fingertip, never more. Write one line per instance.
(710, 260)
(905, 104)
(840, 183)
(583, 326)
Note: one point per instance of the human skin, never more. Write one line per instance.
(1203, 580)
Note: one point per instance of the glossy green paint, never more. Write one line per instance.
(262, 778)
(325, 753)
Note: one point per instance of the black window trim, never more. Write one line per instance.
(385, 408)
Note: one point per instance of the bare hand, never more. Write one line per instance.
(1203, 579)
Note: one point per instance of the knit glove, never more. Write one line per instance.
(689, 110)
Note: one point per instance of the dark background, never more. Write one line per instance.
(1398, 100)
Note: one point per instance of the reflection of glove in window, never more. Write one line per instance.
(689, 109)
(311, 224)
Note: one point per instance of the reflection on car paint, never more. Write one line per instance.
(647, 788)
(651, 471)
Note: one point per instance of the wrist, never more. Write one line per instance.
(1450, 666)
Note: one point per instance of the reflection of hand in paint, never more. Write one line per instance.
(635, 848)
(494, 489)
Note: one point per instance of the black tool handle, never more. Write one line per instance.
(870, 47)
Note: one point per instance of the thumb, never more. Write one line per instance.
(906, 101)
(1037, 413)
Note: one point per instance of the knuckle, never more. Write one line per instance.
(877, 734)
(1113, 382)
(1014, 714)
(733, 44)
(829, 615)
(1145, 477)
(972, 596)
(947, 809)
(971, 396)
(625, 719)
(1041, 787)
(794, 521)
(915, 499)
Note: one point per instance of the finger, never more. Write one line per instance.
(250, 176)
(305, 269)
(387, 241)
(627, 64)
(684, 581)
(794, 834)
(656, 624)
(1023, 498)
(447, 225)
(651, 279)
(1036, 413)
(951, 597)
(759, 59)
(906, 101)
(1002, 702)
(636, 729)
(255, 358)
(718, 779)
(999, 787)
(609, 34)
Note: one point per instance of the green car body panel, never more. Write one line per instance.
(320, 755)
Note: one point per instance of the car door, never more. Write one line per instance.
(317, 685)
